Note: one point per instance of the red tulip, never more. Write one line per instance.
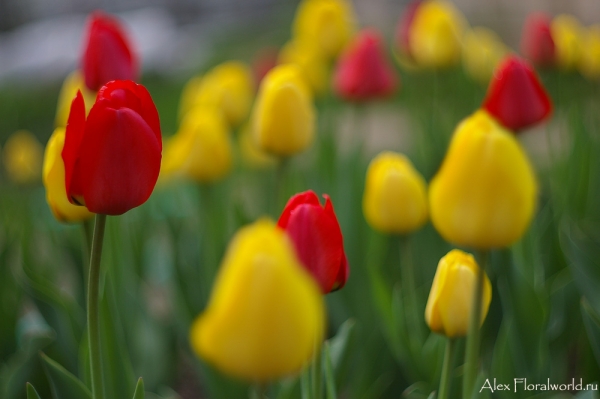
(112, 159)
(318, 239)
(537, 44)
(404, 25)
(515, 95)
(108, 53)
(264, 60)
(363, 72)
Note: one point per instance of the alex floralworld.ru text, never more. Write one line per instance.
(522, 385)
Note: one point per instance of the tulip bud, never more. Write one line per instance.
(72, 84)
(317, 236)
(251, 155)
(516, 96)
(482, 51)
(108, 53)
(201, 149)
(22, 157)
(363, 72)
(327, 23)
(266, 316)
(54, 181)
(112, 158)
(484, 194)
(567, 32)
(590, 59)
(395, 197)
(283, 119)
(310, 61)
(450, 300)
(537, 44)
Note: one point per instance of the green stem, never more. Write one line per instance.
(409, 284)
(473, 337)
(446, 380)
(258, 391)
(317, 383)
(93, 314)
(279, 192)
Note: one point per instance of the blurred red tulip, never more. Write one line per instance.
(108, 54)
(537, 44)
(404, 24)
(264, 60)
(516, 96)
(363, 72)
(318, 239)
(112, 159)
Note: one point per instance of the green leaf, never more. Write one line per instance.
(63, 384)
(31, 392)
(591, 320)
(139, 389)
(328, 369)
(339, 344)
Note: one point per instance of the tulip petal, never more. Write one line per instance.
(70, 152)
(307, 197)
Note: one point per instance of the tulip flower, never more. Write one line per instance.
(112, 158)
(567, 35)
(283, 119)
(310, 61)
(451, 296)
(264, 60)
(404, 25)
(363, 72)
(537, 44)
(589, 64)
(484, 194)
(54, 181)
(317, 236)
(516, 96)
(72, 84)
(189, 96)
(395, 197)
(482, 51)
(108, 53)
(266, 316)
(201, 149)
(327, 23)
(22, 157)
(251, 155)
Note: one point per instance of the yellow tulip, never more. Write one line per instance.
(283, 119)
(484, 194)
(329, 24)
(201, 149)
(189, 95)
(22, 157)
(567, 33)
(435, 34)
(73, 82)
(395, 197)
(482, 51)
(590, 58)
(451, 297)
(266, 314)
(54, 181)
(251, 155)
(310, 61)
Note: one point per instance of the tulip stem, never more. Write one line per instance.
(279, 191)
(409, 285)
(473, 337)
(93, 314)
(317, 383)
(445, 381)
(258, 391)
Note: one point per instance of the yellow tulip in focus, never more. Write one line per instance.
(22, 157)
(395, 197)
(283, 119)
(482, 51)
(310, 61)
(590, 59)
(484, 194)
(68, 91)
(450, 300)
(54, 181)
(435, 34)
(327, 23)
(567, 34)
(266, 315)
(251, 155)
(201, 149)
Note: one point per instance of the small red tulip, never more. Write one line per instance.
(516, 96)
(404, 25)
(363, 72)
(108, 53)
(537, 44)
(264, 60)
(112, 159)
(318, 239)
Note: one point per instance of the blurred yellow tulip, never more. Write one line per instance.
(435, 34)
(189, 94)
(283, 119)
(329, 24)
(251, 154)
(395, 197)
(201, 149)
(567, 34)
(266, 314)
(484, 194)
(482, 51)
(310, 61)
(590, 58)
(450, 300)
(73, 82)
(54, 181)
(22, 157)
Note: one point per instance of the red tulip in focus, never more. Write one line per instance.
(363, 72)
(112, 159)
(515, 95)
(108, 54)
(537, 44)
(404, 24)
(318, 239)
